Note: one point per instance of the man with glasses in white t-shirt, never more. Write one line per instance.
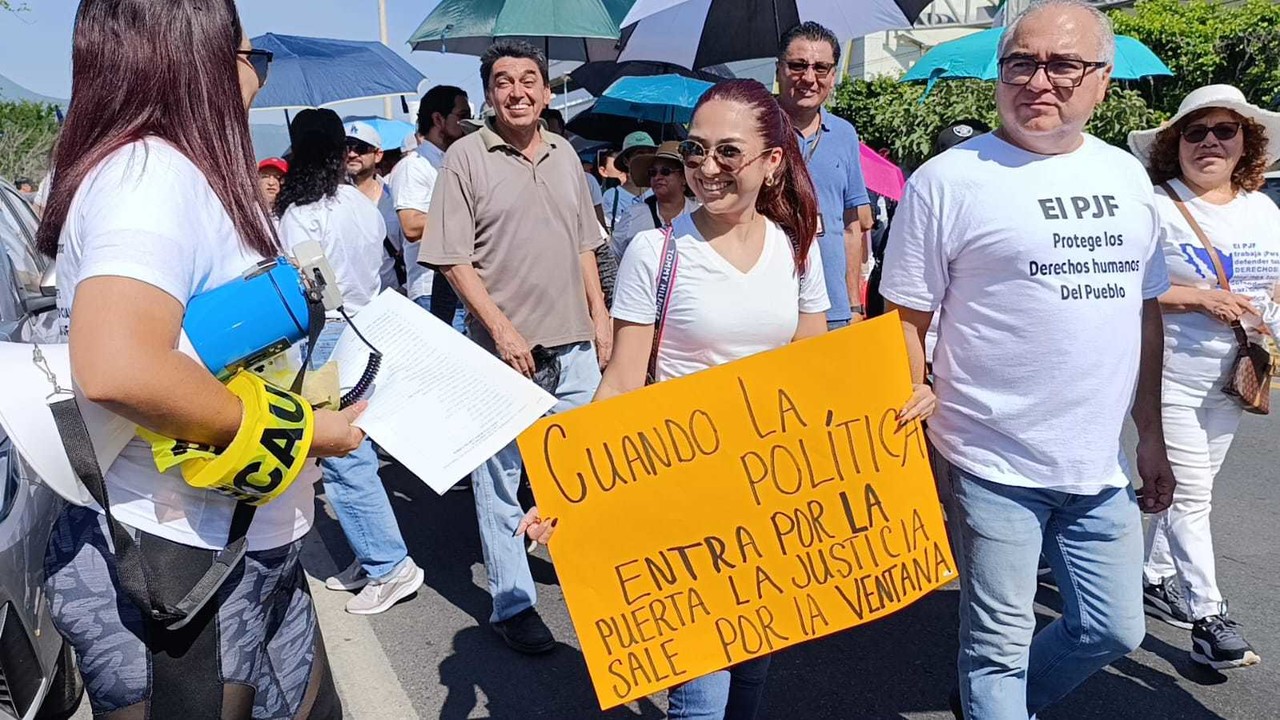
(1049, 333)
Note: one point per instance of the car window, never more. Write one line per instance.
(1272, 189)
(18, 236)
(8, 476)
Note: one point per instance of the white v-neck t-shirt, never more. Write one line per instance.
(717, 313)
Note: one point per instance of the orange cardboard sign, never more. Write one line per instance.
(710, 519)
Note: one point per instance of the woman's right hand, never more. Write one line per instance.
(334, 435)
(1226, 307)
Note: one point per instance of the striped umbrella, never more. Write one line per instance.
(699, 33)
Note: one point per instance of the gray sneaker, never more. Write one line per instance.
(353, 578)
(1165, 601)
(379, 595)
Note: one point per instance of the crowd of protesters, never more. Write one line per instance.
(1024, 376)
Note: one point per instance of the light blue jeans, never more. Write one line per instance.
(459, 317)
(496, 482)
(1094, 545)
(731, 694)
(355, 491)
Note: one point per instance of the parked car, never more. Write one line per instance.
(1271, 185)
(38, 673)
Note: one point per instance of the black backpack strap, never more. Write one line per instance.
(652, 202)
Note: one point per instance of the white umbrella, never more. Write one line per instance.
(698, 33)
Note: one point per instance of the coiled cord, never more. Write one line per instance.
(362, 386)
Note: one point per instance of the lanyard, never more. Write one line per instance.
(817, 140)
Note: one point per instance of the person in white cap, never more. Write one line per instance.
(364, 157)
(1221, 240)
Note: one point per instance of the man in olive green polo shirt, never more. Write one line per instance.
(513, 228)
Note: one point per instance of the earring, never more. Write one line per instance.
(769, 181)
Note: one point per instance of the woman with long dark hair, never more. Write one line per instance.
(155, 201)
(318, 204)
(747, 283)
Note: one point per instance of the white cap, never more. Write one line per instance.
(365, 133)
(410, 143)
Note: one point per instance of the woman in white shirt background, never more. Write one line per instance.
(1211, 156)
(317, 203)
(663, 173)
(155, 201)
(747, 283)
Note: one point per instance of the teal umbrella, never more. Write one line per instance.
(974, 56)
(657, 98)
(581, 30)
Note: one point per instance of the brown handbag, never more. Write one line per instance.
(1250, 378)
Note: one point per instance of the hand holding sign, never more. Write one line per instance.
(711, 519)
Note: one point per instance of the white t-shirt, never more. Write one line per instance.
(413, 180)
(637, 219)
(350, 230)
(1199, 350)
(717, 313)
(1039, 265)
(147, 213)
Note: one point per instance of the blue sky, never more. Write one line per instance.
(37, 42)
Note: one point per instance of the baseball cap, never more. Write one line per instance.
(410, 143)
(958, 132)
(365, 133)
(274, 163)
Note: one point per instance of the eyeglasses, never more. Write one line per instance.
(800, 67)
(360, 147)
(1198, 132)
(663, 171)
(1062, 72)
(260, 61)
(729, 157)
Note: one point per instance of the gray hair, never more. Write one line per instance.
(1106, 33)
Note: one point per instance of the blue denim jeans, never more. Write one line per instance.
(833, 325)
(355, 491)
(731, 694)
(1094, 545)
(496, 482)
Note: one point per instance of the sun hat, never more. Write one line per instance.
(365, 133)
(632, 144)
(274, 163)
(1228, 97)
(639, 167)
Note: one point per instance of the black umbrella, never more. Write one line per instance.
(613, 128)
(700, 33)
(596, 77)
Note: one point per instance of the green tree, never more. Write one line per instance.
(27, 133)
(1206, 42)
(890, 114)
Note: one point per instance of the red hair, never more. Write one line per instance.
(790, 201)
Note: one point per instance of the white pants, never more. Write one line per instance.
(1178, 540)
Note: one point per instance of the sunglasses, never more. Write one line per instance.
(800, 67)
(662, 171)
(360, 147)
(729, 157)
(1198, 132)
(260, 61)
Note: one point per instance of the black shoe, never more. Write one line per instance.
(526, 633)
(1216, 641)
(1165, 601)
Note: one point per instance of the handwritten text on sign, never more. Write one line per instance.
(711, 519)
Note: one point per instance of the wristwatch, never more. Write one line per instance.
(856, 310)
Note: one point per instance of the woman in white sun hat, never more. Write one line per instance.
(1207, 163)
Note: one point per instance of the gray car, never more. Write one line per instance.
(38, 674)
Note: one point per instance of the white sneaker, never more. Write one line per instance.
(379, 595)
(353, 578)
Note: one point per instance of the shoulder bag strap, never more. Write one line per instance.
(666, 279)
(1242, 338)
(652, 202)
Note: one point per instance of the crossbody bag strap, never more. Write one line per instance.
(652, 202)
(1242, 337)
(666, 279)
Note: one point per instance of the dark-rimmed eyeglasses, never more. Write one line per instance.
(729, 157)
(1062, 72)
(260, 61)
(800, 67)
(662, 171)
(360, 147)
(1197, 132)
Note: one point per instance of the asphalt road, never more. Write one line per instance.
(435, 657)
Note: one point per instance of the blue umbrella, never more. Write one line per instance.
(974, 56)
(657, 98)
(317, 72)
(392, 132)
